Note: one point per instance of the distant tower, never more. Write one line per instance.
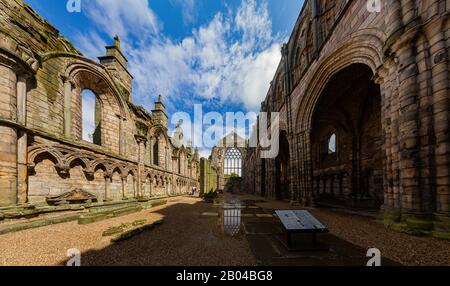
(159, 113)
(117, 65)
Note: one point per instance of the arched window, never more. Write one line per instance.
(156, 152)
(91, 113)
(179, 164)
(233, 162)
(332, 147)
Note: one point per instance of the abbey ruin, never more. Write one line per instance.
(364, 105)
(42, 151)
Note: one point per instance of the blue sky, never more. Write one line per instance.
(222, 54)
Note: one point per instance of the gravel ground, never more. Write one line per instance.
(187, 239)
(183, 239)
(367, 233)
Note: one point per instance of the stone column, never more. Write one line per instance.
(8, 134)
(304, 165)
(409, 137)
(123, 180)
(441, 105)
(315, 26)
(134, 186)
(151, 150)
(414, 212)
(22, 141)
(68, 88)
(382, 79)
(141, 140)
(121, 135)
(107, 187)
(150, 181)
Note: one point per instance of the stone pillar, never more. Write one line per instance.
(304, 166)
(68, 88)
(141, 140)
(8, 135)
(394, 17)
(123, 180)
(435, 32)
(122, 135)
(134, 186)
(22, 141)
(409, 137)
(390, 209)
(315, 26)
(151, 150)
(416, 217)
(150, 181)
(441, 105)
(107, 187)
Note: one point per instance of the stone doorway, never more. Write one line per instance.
(347, 141)
(282, 181)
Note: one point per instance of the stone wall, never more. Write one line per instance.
(208, 177)
(42, 153)
(406, 48)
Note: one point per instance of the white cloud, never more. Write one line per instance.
(187, 10)
(123, 17)
(230, 59)
(91, 44)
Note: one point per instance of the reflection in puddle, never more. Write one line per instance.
(231, 221)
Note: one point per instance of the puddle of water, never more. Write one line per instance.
(232, 213)
(231, 221)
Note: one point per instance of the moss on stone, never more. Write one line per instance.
(441, 235)
(419, 225)
(393, 215)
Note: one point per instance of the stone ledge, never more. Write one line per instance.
(95, 217)
(38, 223)
(135, 231)
(419, 225)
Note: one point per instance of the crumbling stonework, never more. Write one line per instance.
(42, 153)
(380, 83)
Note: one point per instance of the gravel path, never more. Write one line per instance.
(183, 239)
(187, 239)
(367, 233)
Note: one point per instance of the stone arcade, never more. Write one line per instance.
(42, 154)
(364, 103)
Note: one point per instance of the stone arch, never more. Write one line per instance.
(350, 107)
(160, 144)
(364, 47)
(181, 162)
(81, 65)
(38, 153)
(109, 107)
(116, 192)
(282, 167)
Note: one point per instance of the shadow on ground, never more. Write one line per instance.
(246, 237)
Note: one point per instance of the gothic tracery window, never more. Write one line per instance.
(233, 162)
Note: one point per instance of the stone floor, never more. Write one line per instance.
(183, 239)
(264, 232)
(352, 235)
(236, 230)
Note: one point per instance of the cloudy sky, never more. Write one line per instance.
(221, 54)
